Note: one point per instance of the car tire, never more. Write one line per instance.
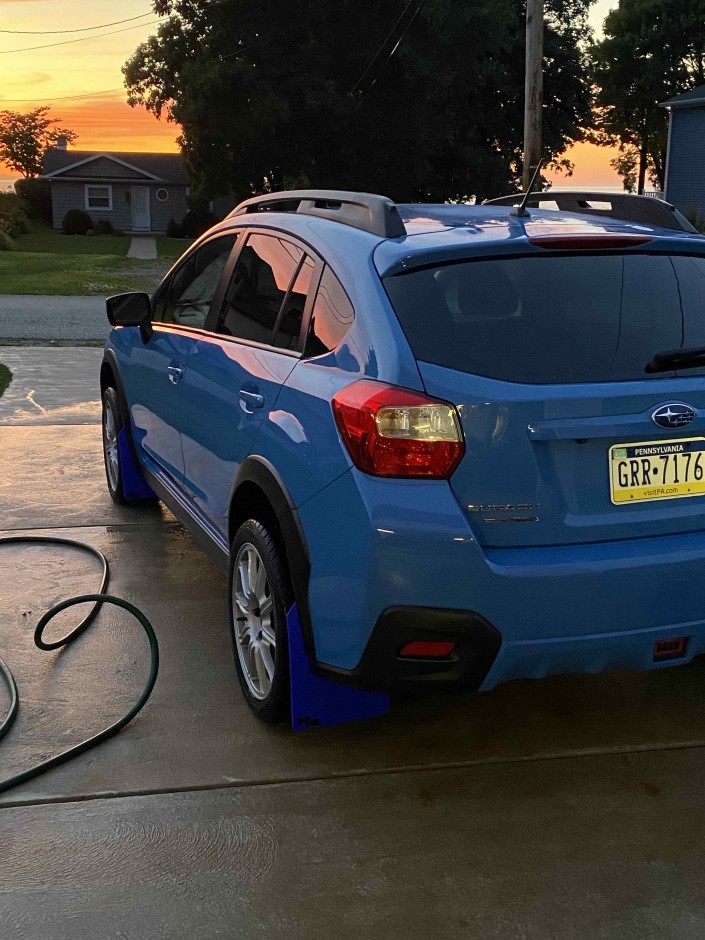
(113, 422)
(258, 620)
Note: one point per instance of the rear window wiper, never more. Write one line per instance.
(670, 359)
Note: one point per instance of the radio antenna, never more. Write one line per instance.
(521, 209)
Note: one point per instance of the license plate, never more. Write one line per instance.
(652, 470)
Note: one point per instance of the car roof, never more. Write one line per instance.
(451, 232)
(437, 232)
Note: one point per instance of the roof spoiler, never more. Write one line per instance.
(645, 209)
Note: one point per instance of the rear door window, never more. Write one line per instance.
(288, 326)
(579, 318)
(263, 273)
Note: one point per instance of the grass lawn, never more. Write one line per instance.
(5, 376)
(46, 241)
(49, 262)
(35, 273)
(172, 248)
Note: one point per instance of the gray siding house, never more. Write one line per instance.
(135, 192)
(685, 157)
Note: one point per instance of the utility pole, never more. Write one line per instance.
(533, 88)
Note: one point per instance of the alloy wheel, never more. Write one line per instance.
(110, 443)
(255, 638)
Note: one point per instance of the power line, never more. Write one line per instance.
(90, 94)
(83, 29)
(396, 46)
(381, 48)
(392, 52)
(67, 42)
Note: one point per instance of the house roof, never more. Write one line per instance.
(694, 97)
(162, 167)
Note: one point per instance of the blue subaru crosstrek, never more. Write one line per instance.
(467, 441)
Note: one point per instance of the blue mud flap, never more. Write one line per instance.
(317, 702)
(133, 483)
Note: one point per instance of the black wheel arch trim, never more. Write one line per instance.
(264, 475)
(110, 359)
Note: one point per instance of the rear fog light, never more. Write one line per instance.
(670, 649)
(427, 649)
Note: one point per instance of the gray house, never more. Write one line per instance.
(135, 192)
(685, 157)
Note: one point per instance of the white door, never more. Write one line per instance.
(141, 220)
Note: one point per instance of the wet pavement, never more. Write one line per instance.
(564, 808)
(53, 386)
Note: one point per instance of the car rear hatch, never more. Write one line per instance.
(568, 438)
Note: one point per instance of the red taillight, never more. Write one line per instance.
(395, 432)
(427, 649)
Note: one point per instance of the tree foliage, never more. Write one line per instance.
(652, 51)
(25, 137)
(278, 93)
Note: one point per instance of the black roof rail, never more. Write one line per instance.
(375, 214)
(645, 209)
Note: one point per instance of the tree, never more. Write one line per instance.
(652, 51)
(271, 92)
(25, 137)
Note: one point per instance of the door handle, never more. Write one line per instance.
(253, 399)
(176, 373)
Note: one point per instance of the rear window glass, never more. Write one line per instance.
(549, 320)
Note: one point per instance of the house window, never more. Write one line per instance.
(162, 195)
(99, 197)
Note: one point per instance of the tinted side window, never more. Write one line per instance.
(291, 314)
(189, 294)
(331, 318)
(262, 275)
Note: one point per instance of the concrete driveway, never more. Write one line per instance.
(52, 319)
(564, 808)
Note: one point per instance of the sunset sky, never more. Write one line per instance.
(69, 77)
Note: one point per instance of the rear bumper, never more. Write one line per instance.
(480, 660)
(558, 609)
(534, 659)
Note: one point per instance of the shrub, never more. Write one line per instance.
(36, 195)
(13, 220)
(76, 222)
(103, 227)
(196, 222)
(174, 229)
(6, 242)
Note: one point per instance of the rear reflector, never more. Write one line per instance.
(397, 432)
(427, 649)
(670, 649)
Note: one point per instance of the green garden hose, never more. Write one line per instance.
(97, 600)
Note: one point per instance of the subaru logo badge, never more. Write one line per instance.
(673, 416)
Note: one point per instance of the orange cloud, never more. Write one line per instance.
(107, 123)
(114, 125)
(592, 168)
